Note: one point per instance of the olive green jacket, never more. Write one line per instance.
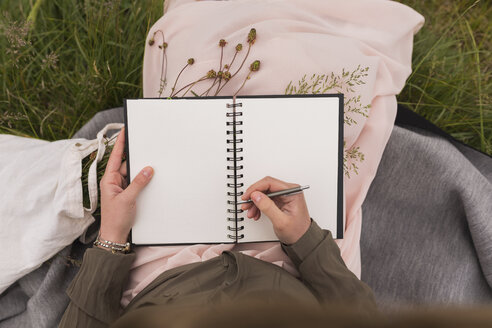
(96, 290)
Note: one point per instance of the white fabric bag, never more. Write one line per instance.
(41, 199)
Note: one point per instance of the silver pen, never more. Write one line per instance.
(286, 192)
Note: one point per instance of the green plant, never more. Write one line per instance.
(452, 67)
(345, 83)
(68, 61)
(80, 57)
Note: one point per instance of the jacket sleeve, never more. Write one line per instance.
(96, 290)
(322, 269)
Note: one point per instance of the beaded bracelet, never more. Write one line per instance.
(110, 245)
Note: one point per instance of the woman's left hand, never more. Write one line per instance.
(117, 200)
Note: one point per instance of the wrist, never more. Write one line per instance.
(297, 233)
(115, 237)
(112, 245)
(306, 244)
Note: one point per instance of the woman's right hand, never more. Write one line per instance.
(289, 214)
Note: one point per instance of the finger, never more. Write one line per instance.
(247, 206)
(267, 183)
(252, 212)
(114, 161)
(110, 179)
(138, 183)
(267, 206)
(123, 171)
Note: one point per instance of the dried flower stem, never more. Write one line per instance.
(232, 61)
(176, 81)
(208, 90)
(244, 60)
(221, 45)
(220, 68)
(218, 86)
(246, 56)
(254, 67)
(164, 63)
(191, 86)
(186, 86)
(223, 72)
(244, 82)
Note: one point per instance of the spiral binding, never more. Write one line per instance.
(234, 185)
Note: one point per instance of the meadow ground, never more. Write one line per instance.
(64, 60)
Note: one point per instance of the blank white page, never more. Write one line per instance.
(184, 141)
(294, 140)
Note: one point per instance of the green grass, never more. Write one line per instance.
(452, 66)
(98, 50)
(81, 57)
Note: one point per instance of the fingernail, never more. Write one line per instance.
(257, 197)
(147, 172)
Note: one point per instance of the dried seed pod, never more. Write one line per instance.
(252, 36)
(211, 74)
(255, 66)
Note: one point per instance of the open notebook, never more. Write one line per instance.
(191, 142)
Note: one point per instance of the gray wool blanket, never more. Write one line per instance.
(427, 223)
(426, 231)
